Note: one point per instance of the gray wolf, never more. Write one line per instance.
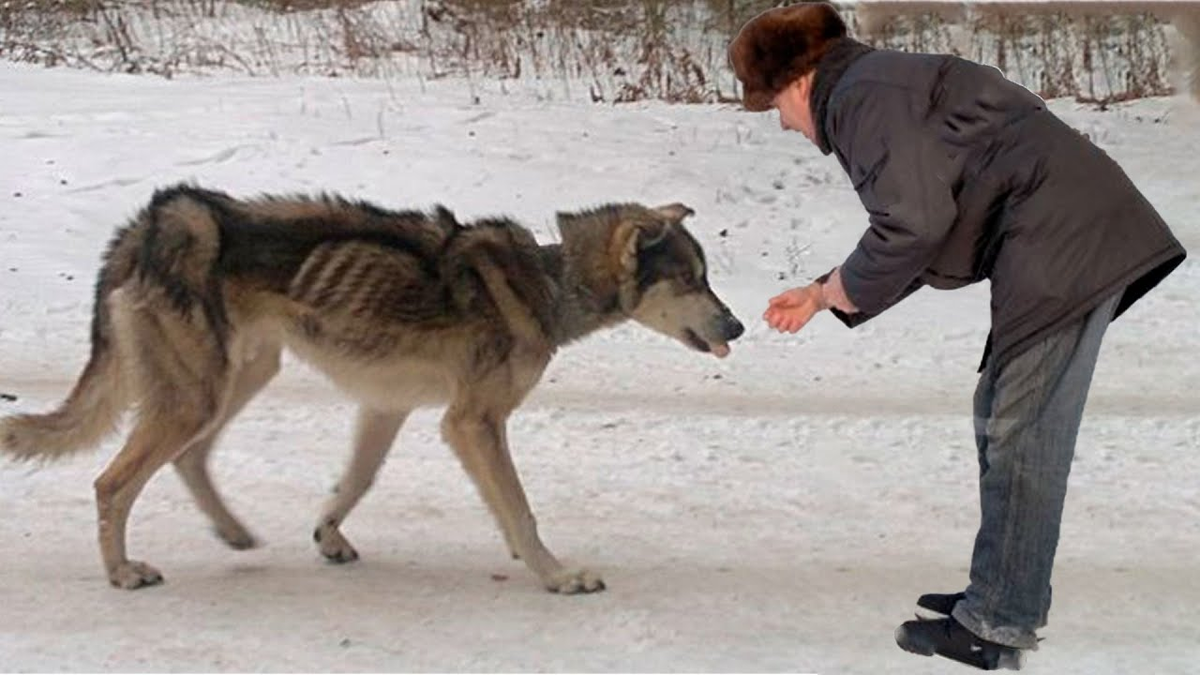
(201, 291)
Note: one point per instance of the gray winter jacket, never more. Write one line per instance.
(967, 176)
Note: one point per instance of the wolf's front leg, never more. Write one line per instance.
(374, 435)
(480, 440)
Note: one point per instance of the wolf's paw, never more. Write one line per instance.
(570, 582)
(132, 574)
(334, 546)
(238, 538)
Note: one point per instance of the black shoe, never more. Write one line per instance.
(948, 638)
(942, 603)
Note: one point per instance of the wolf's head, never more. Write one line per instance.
(646, 263)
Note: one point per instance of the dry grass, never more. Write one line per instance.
(614, 50)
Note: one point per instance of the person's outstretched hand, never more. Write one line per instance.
(789, 311)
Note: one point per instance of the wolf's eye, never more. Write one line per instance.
(696, 278)
(690, 283)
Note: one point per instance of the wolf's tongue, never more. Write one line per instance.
(720, 350)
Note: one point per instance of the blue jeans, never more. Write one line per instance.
(1027, 416)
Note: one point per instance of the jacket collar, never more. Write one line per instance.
(841, 54)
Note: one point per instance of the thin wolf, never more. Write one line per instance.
(200, 291)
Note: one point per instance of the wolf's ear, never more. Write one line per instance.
(635, 236)
(649, 235)
(446, 218)
(675, 212)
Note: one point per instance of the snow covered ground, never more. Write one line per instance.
(779, 510)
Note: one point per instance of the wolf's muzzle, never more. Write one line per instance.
(731, 328)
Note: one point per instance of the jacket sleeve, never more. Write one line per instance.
(903, 174)
(858, 318)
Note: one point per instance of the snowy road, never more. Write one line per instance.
(776, 511)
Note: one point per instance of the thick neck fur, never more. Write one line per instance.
(583, 270)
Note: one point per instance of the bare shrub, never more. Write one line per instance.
(609, 50)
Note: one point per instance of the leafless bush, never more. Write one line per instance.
(1185, 52)
(1055, 49)
(608, 50)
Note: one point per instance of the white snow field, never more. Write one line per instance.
(779, 510)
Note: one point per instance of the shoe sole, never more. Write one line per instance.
(905, 641)
(1009, 659)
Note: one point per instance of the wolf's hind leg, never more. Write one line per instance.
(180, 377)
(192, 465)
(157, 438)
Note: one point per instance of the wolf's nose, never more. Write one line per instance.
(733, 328)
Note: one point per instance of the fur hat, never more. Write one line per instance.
(779, 47)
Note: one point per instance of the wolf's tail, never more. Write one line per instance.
(88, 415)
(145, 248)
